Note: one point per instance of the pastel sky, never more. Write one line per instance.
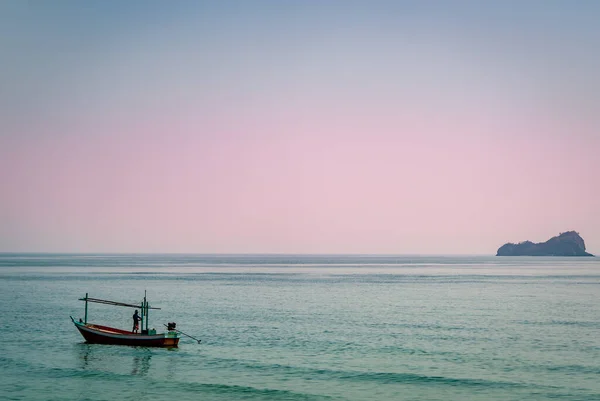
(398, 127)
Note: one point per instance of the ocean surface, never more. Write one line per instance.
(277, 327)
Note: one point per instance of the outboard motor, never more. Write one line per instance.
(171, 326)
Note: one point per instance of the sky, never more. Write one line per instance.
(394, 127)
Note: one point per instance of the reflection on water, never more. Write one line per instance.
(112, 357)
(172, 362)
(84, 354)
(141, 364)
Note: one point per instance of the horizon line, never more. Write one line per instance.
(246, 254)
(240, 253)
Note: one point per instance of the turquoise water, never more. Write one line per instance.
(306, 328)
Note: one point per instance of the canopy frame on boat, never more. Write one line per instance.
(144, 307)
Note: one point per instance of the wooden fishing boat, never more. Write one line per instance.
(98, 334)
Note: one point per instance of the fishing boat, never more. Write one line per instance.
(98, 334)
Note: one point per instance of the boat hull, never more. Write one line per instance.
(96, 334)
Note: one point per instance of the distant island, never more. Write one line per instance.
(569, 243)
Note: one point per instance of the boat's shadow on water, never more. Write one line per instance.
(115, 358)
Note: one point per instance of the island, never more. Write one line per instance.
(568, 243)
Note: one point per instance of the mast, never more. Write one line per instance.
(86, 302)
(147, 309)
(143, 308)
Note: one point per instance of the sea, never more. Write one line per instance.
(305, 327)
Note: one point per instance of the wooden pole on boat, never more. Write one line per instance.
(142, 318)
(147, 311)
(85, 317)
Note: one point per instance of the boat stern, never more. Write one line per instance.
(171, 339)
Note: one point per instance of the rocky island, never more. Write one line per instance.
(569, 243)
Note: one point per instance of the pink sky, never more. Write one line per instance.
(275, 140)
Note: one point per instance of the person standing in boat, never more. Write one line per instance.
(136, 321)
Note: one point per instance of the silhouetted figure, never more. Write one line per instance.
(136, 320)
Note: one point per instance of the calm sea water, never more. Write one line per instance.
(306, 328)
